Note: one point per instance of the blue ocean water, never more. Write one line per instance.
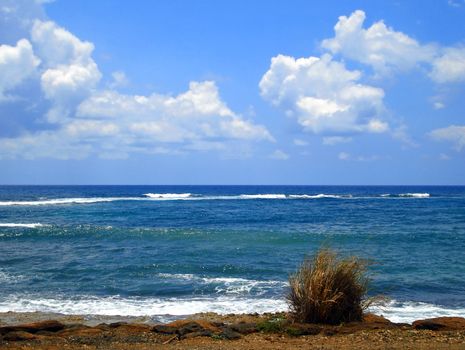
(177, 250)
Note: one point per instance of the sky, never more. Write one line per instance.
(232, 92)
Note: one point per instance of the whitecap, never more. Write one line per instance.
(318, 196)
(168, 195)
(415, 195)
(34, 225)
(263, 196)
(61, 201)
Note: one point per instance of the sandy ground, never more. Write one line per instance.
(87, 332)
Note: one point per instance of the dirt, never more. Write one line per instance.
(211, 331)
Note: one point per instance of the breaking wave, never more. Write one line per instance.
(168, 195)
(415, 195)
(35, 225)
(190, 196)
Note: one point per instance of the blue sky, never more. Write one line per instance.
(232, 92)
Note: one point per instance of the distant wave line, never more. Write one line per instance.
(190, 196)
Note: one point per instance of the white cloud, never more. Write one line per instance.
(112, 125)
(70, 74)
(301, 143)
(195, 114)
(279, 155)
(449, 66)
(379, 46)
(386, 50)
(17, 63)
(324, 95)
(334, 140)
(453, 133)
(84, 120)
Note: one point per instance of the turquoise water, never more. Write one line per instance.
(175, 250)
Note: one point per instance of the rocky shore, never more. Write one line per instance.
(212, 331)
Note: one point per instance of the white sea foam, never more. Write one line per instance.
(190, 196)
(61, 201)
(317, 196)
(6, 277)
(407, 312)
(7, 224)
(230, 285)
(415, 195)
(171, 196)
(263, 196)
(114, 306)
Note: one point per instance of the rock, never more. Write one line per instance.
(18, 336)
(203, 333)
(244, 328)
(117, 324)
(441, 324)
(372, 318)
(229, 334)
(48, 326)
(164, 329)
(79, 332)
(134, 328)
(190, 327)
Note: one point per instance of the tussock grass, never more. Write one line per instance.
(328, 289)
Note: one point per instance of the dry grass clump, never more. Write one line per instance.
(328, 289)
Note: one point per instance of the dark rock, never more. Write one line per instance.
(441, 324)
(190, 327)
(229, 334)
(163, 329)
(117, 324)
(244, 328)
(48, 326)
(202, 333)
(18, 336)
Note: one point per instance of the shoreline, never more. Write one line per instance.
(38, 330)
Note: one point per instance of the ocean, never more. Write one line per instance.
(171, 251)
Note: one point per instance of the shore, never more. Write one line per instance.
(212, 331)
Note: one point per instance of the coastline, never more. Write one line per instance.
(38, 330)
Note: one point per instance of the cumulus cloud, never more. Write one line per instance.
(324, 95)
(70, 74)
(83, 119)
(449, 66)
(17, 63)
(109, 123)
(387, 50)
(454, 134)
(379, 46)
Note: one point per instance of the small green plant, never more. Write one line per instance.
(328, 289)
(275, 325)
